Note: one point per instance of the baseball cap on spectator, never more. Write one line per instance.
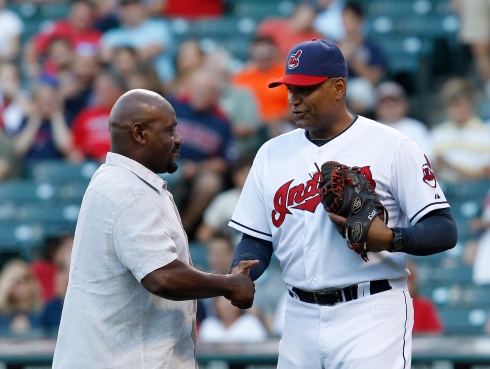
(391, 90)
(312, 62)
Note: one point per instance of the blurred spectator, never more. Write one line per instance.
(365, 61)
(208, 145)
(231, 324)
(44, 132)
(364, 58)
(329, 19)
(426, 317)
(190, 9)
(20, 298)
(59, 58)
(124, 61)
(51, 315)
(8, 161)
(263, 67)
(152, 38)
(45, 268)
(461, 143)
(77, 85)
(477, 249)
(392, 109)
(218, 213)
(238, 103)
(189, 58)
(219, 254)
(145, 76)
(13, 100)
(91, 136)
(78, 29)
(287, 32)
(106, 15)
(475, 32)
(11, 27)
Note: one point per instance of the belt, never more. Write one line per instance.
(331, 297)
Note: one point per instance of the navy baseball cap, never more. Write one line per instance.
(312, 62)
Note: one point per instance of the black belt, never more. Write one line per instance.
(331, 297)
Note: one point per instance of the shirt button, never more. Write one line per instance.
(312, 249)
(314, 280)
(319, 153)
(312, 220)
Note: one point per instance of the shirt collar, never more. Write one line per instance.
(140, 170)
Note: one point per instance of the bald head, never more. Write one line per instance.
(137, 106)
(139, 122)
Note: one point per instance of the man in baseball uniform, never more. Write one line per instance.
(341, 312)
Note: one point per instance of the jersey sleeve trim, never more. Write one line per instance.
(418, 215)
(250, 231)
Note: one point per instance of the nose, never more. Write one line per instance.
(178, 138)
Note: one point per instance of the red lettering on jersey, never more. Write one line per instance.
(429, 176)
(366, 172)
(280, 209)
(304, 195)
(296, 194)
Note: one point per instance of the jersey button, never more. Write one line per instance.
(314, 280)
(312, 249)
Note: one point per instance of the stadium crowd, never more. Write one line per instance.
(57, 89)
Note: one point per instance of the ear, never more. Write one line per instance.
(340, 85)
(138, 132)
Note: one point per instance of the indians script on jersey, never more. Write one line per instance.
(303, 196)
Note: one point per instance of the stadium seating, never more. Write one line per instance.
(460, 321)
(60, 171)
(259, 9)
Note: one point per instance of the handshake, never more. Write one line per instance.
(242, 288)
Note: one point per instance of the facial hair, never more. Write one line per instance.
(172, 167)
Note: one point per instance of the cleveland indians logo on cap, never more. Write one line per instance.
(294, 59)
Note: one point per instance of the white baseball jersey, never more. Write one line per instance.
(280, 202)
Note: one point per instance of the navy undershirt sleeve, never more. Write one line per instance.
(252, 248)
(435, 232)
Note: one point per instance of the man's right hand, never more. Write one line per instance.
(242, 288)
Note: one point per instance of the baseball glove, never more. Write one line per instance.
(345, 191)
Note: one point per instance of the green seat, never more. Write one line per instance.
(55, 11)
(49, 213)
(20, 238)
(199, 254)
(461, 274)
(22, 190)
(59, 170)
(260, 9)
(459, 321)
(393, 8)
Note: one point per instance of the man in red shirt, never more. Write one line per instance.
(91, 137)
(78, 30)
(426, 317)
(190, 9)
